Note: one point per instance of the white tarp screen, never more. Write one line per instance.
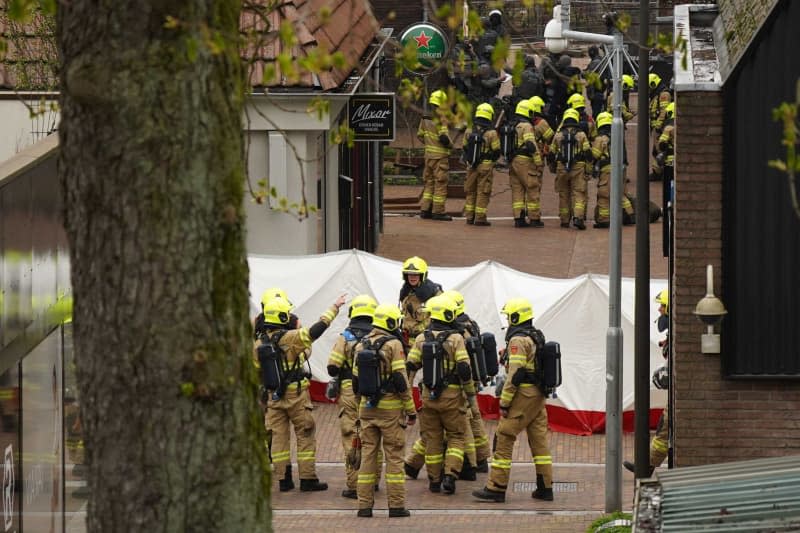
(573, 312)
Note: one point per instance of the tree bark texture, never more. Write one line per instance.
(152, 175)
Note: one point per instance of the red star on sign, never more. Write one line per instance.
(422, 40)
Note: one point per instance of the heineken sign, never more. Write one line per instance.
(371, 116)
(430, 43)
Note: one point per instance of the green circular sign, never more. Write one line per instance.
(430, 43)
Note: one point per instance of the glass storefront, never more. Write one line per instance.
(40, 431)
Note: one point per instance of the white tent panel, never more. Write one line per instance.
(573, 312)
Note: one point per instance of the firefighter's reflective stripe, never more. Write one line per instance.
(505, 464)
(429, 132)
(367, 479)
(399, 478)
(384, 404)
(280, 455)
(306, 456)
(434, 459)
(419, 447)
(456, 452)
(408, 406)
(659, 445)
(542, 460)
(336, 358)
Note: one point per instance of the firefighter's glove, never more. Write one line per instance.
(498, 388)
(263, 395)
(411, 419)
(504, 411)
(445, 141)
(332, 389)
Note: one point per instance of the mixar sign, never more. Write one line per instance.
(430, 43)
(371, 116)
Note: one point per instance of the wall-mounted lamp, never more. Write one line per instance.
(710, 310)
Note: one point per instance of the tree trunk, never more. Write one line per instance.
(152, 175)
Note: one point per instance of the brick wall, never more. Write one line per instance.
(698, 223)
(715, 420)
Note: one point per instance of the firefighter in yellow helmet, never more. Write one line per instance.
(446, 378)
(434, 134)
(341, 362)
(281, 354)
(522, 408)
(571, 148)
(660, 97)
(601, 151)
(258, 330)
(666, 142)
(625, 112)
(526, 153)
(386, 408)
(585, 121)
(476, 441)
(478, 183)
(659, 446)
(268, 294)
(416, 290)
(542, 136)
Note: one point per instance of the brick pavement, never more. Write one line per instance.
(578, 475)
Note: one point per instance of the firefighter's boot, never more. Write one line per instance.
(521, 223)
(309, 485)
(537, 223)
(578, 223)
(449, 484)
(435, 486)
(398, 512)
(542, 493)
(286, 484)
(365, 513)
(482, 467)
(489, 495)
(411, 472)
(467, 471)
(629, 466)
